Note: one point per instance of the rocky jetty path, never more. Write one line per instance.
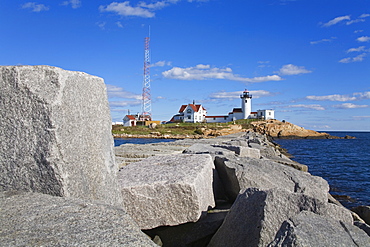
(61, 187)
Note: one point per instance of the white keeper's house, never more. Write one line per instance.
(190, 113)
(197, 113)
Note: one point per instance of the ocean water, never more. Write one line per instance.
(120, 141)
(344, 163)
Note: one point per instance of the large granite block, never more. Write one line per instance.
(167, 190)
(309, 229)
(33, 219)
(257, 215)
(55, 134)
(240, 173)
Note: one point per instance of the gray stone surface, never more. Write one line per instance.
(257, 215)
(33, 219)
(214, 149)
(363, 226)
(129, 153)
(167, 190)
(309, 229)
(55, 134)
(363, 212)
(195, 234)
(208, 149)
(240, 173)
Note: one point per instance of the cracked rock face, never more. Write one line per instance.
(309, 229)
(33, 219)
(56, 134)
(167, 190)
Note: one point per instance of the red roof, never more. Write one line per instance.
(131, 117)
(253, 112)
(194, 107)
(182, 108)
(237, 110)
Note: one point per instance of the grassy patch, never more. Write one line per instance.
(178, 128)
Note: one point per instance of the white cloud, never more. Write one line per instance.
(160, 64)
(333, 97)
(142, 9)
(358, 49)
(336, 20)
(236, 95)
(291, 69)
(35, 7)
(118, 92)
(354, 21)
(101, 25)
(119, 24)
(125, 9)
(361, 18)
(74, 3)
(364, 95)
(364, 15)
(204, 72)
(322, 41)
(338, 97)
(124, 103)
(360, 117)
(363, 39)
(358, 58)
(312, 107)
(350, 106)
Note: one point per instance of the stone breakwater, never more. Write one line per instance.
(234, 190)
(260, 196)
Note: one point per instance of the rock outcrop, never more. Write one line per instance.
(58, 183)
(55, 134)
(257, 215)
(309, 229)
(278, 129)
(238, 174)
(33, 219)
(168, 190)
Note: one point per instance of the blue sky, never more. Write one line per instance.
(309, 60)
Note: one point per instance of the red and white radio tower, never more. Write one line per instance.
(147, 99)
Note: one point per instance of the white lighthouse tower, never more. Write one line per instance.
(246, 104)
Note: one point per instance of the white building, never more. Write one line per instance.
(190, 113)
(266, 114)
(196, 113)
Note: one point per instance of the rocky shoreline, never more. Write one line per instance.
(249, 162)
(271, 128)
(61, 187)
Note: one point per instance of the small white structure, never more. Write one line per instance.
(190, 113)
(266, 114)
(129, 120)
(217, 119)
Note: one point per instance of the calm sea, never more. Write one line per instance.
(344, 163)
(120, 141)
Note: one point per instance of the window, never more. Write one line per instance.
(189, 116)
(225, 118)
(189, 111)
(270, 113)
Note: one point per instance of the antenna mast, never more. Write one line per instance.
(147, 101)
